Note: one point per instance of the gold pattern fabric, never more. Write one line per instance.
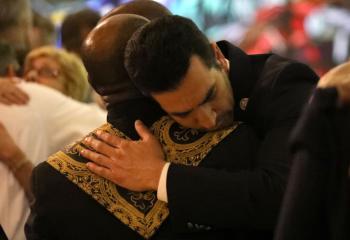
(141, 211)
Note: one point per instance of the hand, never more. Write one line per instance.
(338, 77)
(10, 153)
(135, 165)
(11, 94)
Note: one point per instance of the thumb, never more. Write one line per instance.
(142, 130)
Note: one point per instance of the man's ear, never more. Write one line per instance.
(220, 58)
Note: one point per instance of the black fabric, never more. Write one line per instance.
(2, 234)
(245, 202)
(124, 114)
(317, 201)
(63, 211)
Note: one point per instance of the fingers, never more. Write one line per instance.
(21, 96)
(14, 95)
(97, 158)
(99, 146)
(110, 139)
(99, 170)
(4, 100)
(142, 130)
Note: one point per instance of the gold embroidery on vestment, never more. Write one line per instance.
(141, 211)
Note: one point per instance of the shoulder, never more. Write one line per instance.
(46, 176)
(42, 170)
(243, 134)
(21, 115)
(34, 88)
(46, 180)
(45, 98)
(280, 74)
(288, 69)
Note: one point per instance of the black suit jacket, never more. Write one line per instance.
(246, 202)
(317, 200)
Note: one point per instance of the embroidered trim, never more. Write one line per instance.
(141, 211)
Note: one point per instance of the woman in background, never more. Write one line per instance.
(58, 69)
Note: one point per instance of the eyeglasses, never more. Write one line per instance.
(43, 72)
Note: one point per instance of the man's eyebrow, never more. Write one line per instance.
(205, 100)
(208, 96)
(181, 114)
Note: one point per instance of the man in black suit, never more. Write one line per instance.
(206, 86)
(70, 200)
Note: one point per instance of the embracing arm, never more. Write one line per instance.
(320, 163)
(15, 160)
(10, 93)
(222, 199)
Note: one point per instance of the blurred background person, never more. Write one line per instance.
(43, 31)
(9, 92)
(310, 31)
(76, 26)
(47, 122)
(317, 200)
(328, 27)
(58, 69)
(74, 29)
(15, 26)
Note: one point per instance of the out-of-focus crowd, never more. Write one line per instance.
(45, 98)
(47, 102)
(315, 32)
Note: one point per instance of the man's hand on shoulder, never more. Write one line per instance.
(10, 154)
(135, 165)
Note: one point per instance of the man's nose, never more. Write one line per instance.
(207, 117)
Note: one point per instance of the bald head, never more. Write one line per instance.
(145, 8)
(338, 77)
(103, 56)
(335, 75)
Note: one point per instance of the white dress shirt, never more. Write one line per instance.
(47, 123)
(162, 193)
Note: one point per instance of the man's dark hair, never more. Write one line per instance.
(157, 56)
(75, 28)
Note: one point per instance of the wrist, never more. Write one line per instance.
(157, 174)
(20, 164)
(14, 159)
